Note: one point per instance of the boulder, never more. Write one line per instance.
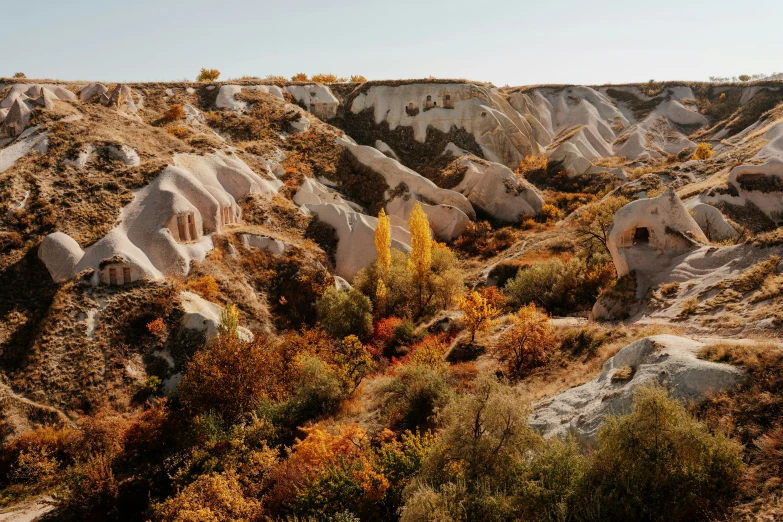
(712, 222)
(60, 253)
(204, 316)
(497, 191)
(647, 234)
(666, 359)
(273, 246)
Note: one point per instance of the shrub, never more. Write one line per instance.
(343, 313)
(561, 287)
(358, 78)
(179, 131)
(216, 497)
(703, 151)
(324, 78)
(208, 75)
(413, 395)
(549, 212)
(479, 239)
(175, 113)
(230, 376)
(205, 286)
(496, 441)
(528, 343)
(659, 463)
(300, 77)
(90, 491)
(20, 75)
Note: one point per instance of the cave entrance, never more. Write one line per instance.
(641, 235)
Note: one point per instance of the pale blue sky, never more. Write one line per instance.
(503, 41)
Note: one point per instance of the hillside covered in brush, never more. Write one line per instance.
(391, 300)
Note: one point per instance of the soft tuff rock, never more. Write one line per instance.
(666, 359)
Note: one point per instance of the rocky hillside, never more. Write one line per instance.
(296, 293)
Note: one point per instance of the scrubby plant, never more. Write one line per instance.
(528, 343)
(413, 395)
(324, 78)
(179, 131)
(230, 376)
(300, 77)
(479, 239)
(561, 286)
(358, 78)
(175, 113)
(703, 151)
(345, 312)
(216, 497)
(20, 75)
(549, 212)
(659, 463)
(207, 75)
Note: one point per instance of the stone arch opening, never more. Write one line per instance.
(641, 236)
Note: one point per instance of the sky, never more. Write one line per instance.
(506, 42)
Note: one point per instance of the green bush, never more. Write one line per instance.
(658, 463)
(559, 286)
(343, 313)
(411, 398)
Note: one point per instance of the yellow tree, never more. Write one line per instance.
(383, 242)
(421, 250)
(477, 311)
(528, 343)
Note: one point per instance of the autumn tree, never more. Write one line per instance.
(528, 343)
(345, 312)
(421, 252)
(300, 77)
(358, 78)
(383, 241)
(477, 312)
(230, 376)
(703, 151)
(208, 75)
(229, 322)
(216, 497)
(593, 224)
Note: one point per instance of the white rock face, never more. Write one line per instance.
(497, 191)
(758, 184)
(273, 246)
(226, 95)
(311, 192)
(356, 237)
(384, 147)
(91, 90)
(647, 234)
(595, 124)
(82, 158)
(60, 253)
(502, 133)
(711, 221)
(125, 154)
(167, 225)
(25, 143)
(395, 173)
(447, 222)
(664, 359)
(204, 316)
(317, 99)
